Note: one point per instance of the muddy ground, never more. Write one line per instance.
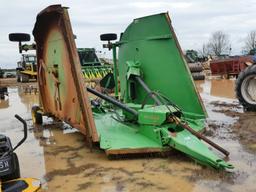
(13, 82)
(57, 154)
(244, 127)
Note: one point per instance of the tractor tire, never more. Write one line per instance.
(194, 67)
(18, 77)
(246, 87)
(198, 76)
(37, 118)
(24, 78)
(16, 172)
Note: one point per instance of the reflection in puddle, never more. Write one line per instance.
(4, 103)
(58, 155)
(217, 87)
(223, 88)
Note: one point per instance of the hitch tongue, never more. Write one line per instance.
(191, 145)
(200, 136)
(178, 121)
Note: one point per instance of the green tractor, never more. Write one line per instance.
(93, 69)
(194, 62)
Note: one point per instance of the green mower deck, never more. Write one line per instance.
(157, 105)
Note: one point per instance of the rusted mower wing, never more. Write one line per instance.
(61, 86)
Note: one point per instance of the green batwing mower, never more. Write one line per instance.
(155, 107)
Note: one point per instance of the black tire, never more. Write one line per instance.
(37, 117)
(194, 67)
(16, 172)
(2, 97)
(24, 78)
(244, 88)
(18, 77)
(108, 37)
(198, 76)
(19, 37)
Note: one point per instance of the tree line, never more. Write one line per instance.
(219, 44)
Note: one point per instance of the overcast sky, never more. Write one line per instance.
(193, 20)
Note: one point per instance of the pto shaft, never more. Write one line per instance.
(113, 101)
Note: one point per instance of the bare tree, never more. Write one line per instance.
(205, 51)
(219, 43)
(250, 41)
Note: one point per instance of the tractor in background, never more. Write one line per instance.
(27, 68)
(93, 69)
(246, 85)
(194, 62)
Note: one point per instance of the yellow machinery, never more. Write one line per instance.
(24, 185)
(10, 180)
(27, 68)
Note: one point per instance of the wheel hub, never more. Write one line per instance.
(248, 89)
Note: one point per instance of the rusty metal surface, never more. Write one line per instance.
(137, 151)
(61, 86)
